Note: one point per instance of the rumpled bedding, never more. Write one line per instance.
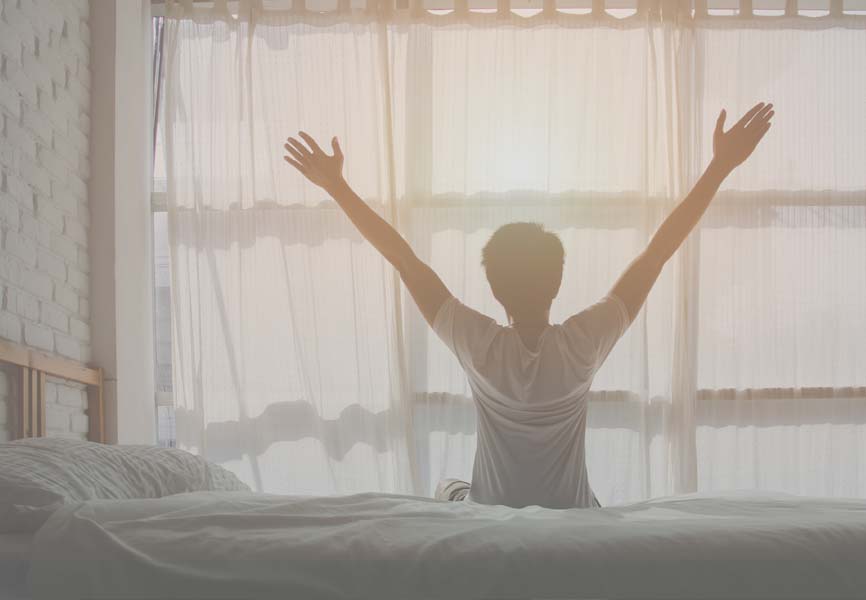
(245, 545)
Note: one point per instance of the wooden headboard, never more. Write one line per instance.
(31, 368)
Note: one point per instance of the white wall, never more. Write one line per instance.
(45, 95)
(120, 198)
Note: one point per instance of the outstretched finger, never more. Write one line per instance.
(294, 152)
(300, 147)
(335, 146)
(761, 117)
(295, 164)
(765, 118)
(749, 115)
(311, 142)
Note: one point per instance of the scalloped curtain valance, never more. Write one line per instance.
(816, 13)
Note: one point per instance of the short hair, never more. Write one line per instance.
(524, 263)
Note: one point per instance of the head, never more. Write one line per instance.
(524, 267)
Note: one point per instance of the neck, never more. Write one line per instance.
(529, 321)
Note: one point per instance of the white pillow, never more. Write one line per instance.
(38, 475)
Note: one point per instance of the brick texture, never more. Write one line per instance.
(44, 221)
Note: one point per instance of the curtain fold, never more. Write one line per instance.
(301, 364)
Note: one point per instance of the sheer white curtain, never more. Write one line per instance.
(301, 364)
(782, 269)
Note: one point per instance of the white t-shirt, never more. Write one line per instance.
(531, 404)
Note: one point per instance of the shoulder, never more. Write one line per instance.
(609, 314)
(453, 311)
(466, 331)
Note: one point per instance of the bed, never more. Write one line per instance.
(30, 370)
(244, 545)
(87, 520)
(15, 551)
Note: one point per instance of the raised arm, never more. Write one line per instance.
(326, 171)
(730, 149)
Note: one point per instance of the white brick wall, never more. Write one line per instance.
(44, 130)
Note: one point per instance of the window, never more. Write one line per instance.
(161, 274)
(797, 346)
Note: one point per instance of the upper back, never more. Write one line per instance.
(560, 366)
(503, 369)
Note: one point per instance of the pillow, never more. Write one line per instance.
(38, 475)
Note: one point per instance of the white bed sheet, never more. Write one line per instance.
(242, 545)
(15, 549)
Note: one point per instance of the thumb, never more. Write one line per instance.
(335, 145)
(720, 123)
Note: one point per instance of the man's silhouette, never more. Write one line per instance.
(530, 379)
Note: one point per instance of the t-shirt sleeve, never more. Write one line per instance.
(598, 328)
(465, 331)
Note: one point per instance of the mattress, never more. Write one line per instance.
(242, 545)
(14, 562)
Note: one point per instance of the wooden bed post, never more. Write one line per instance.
(37, 401)
(96, 411)
(23, 406)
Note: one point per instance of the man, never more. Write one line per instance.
(530, 379)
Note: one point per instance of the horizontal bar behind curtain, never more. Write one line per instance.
(810, 8)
